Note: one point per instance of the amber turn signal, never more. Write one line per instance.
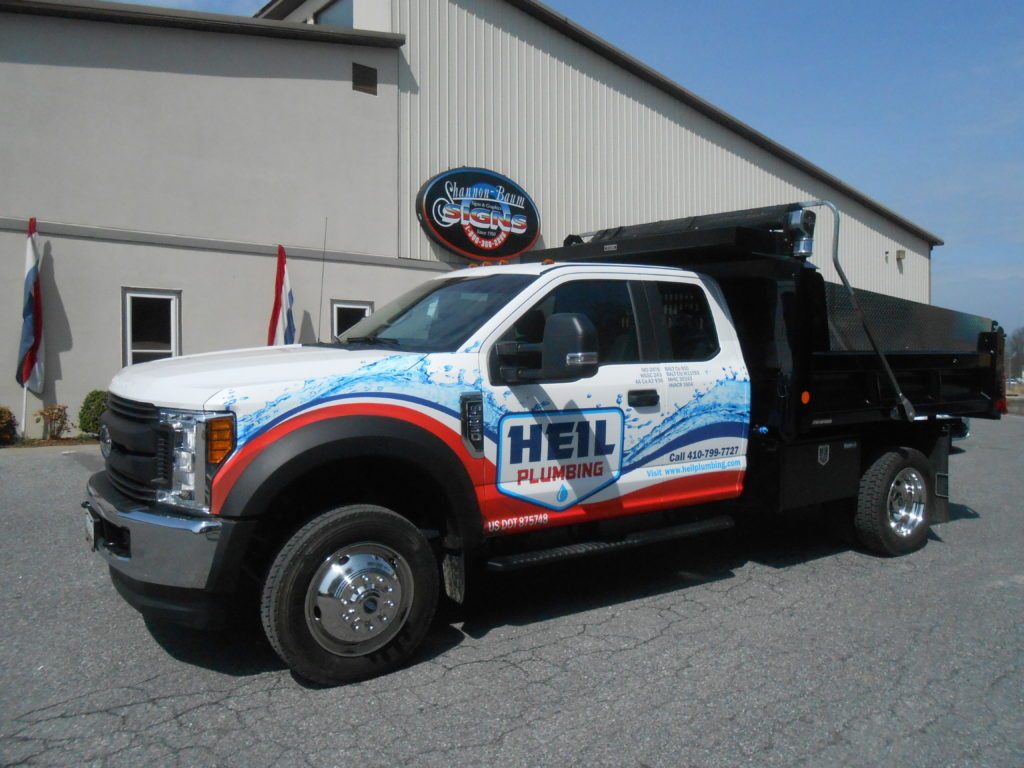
(220, 438)
(805, 397)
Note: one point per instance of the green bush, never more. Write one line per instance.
(93, 406)
(8, 426)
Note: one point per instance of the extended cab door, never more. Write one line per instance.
(598, 447)
(698, 450)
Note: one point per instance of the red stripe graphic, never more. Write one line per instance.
(494, 506)
(665, 494)
(238, 462)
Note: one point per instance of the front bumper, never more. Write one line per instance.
(165, 564)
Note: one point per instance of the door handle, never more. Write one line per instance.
(641, 397)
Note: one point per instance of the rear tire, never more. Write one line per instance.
(351, 595)
(895, 503)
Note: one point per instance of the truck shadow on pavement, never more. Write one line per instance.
(563, 589)
(549, 592)
(962, 512)
(241, 650)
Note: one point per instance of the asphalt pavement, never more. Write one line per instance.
(783, 650)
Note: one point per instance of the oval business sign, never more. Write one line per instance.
(478, 213)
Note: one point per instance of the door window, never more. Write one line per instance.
(606, 303)
(690, 328)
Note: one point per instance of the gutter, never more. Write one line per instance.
(123, 13)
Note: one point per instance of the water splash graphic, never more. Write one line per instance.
(438, 382)
(724, 409)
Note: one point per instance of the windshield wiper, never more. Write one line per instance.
(367, 340)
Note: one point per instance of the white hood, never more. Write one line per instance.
(190, 382)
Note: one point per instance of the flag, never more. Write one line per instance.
(282, 324)
(30, 351)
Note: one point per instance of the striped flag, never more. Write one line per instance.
(30, 351)
(282, 324)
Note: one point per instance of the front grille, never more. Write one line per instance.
(164, 462)
(140, 460)
(131, 487)
(131, 409)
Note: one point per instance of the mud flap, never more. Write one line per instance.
(939, 459)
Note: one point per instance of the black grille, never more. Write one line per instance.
(130, 487)
(131, 409)
(140, 460)
(163, 455)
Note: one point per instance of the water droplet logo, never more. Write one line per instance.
(562, 495)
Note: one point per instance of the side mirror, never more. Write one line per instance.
(569, 349)
(567, 352)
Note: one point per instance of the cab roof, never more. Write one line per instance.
(541, 268)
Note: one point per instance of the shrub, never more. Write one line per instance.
(8, 426)
(55, 421)
(93, 406)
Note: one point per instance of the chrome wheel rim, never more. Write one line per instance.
(359, 599)
(906, 502)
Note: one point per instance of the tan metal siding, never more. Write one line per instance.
(593, 144)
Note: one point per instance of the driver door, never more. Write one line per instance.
(561, 446)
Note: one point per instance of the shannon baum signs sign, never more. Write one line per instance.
(478, 213)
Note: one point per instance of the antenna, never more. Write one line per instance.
(320, 306)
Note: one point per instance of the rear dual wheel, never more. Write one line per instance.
(351, 595)
(895, 502)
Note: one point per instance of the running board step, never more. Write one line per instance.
(585, 548)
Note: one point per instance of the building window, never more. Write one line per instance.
(151, 325)
(345, 314)
(364, 79)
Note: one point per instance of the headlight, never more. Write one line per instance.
(199, 443)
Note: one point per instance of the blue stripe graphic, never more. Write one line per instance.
(709, 432)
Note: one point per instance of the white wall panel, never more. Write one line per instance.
(225, 136)
(485, 84)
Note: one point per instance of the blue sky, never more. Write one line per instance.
(919, 104)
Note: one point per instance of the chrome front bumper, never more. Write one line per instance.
(151, 547)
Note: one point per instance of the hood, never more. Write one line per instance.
(193, 381)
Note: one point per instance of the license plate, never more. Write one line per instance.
(90, 530)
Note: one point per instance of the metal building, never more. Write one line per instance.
(166, 153)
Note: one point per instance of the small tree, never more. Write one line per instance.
(93, 406)
(55, 421)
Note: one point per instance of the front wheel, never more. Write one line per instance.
(895, 502)
(351, 595)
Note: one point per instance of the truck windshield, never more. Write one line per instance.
(437, 316)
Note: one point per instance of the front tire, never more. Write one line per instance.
(351, 595)
(895, 503)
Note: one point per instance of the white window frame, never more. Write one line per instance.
(127, 294)
(366, 306)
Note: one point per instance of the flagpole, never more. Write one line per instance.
(24, 409)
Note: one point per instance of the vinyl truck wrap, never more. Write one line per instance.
(605, 395)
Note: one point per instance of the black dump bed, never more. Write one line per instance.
(811, 359)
